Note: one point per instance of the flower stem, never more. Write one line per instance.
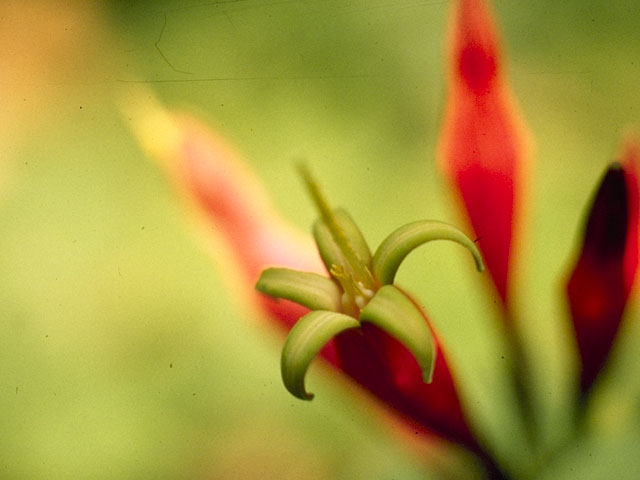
(521, 373)
(493, 471)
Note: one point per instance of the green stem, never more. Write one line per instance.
(521, 375)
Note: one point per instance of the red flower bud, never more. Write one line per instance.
(602, 279)
(483, 143)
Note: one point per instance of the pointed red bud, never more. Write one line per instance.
(602, 279)
(483, 144)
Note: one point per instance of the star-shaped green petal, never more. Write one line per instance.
(359, 290)
(305, 288)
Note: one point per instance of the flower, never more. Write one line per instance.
(361, 295)
(231, 200)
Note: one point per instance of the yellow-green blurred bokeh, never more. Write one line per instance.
(121, 355)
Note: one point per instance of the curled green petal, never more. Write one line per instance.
(308, 289)
(401, 242)
(392, 311)
(305, 340)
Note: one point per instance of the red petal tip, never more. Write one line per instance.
(476, 47)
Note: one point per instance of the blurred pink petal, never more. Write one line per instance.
(248, 235)
(483, 143)
(603, 277)
(237, 207)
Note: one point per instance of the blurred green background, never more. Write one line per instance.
(121, 355)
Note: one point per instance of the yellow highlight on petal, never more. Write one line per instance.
(227, 202)
(155, 127)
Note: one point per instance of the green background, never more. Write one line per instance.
(121, 355)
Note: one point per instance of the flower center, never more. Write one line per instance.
(355, 294)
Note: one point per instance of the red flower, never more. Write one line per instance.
(233, 203)
(603, 277)
(483, 145)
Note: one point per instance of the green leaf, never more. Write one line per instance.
(308, 289)
(305, 340)
(402, 241)
(395, 313)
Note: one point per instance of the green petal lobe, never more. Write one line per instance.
(330, 250)
(308, 289)
(392, 311)
(305, 340)
(354, 236)
(402, 241)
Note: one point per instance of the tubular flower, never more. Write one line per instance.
(483, 143)
(383, 339)
(234, 205)
(602, 279)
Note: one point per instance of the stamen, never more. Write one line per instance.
(367, 292)
(355, 293)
